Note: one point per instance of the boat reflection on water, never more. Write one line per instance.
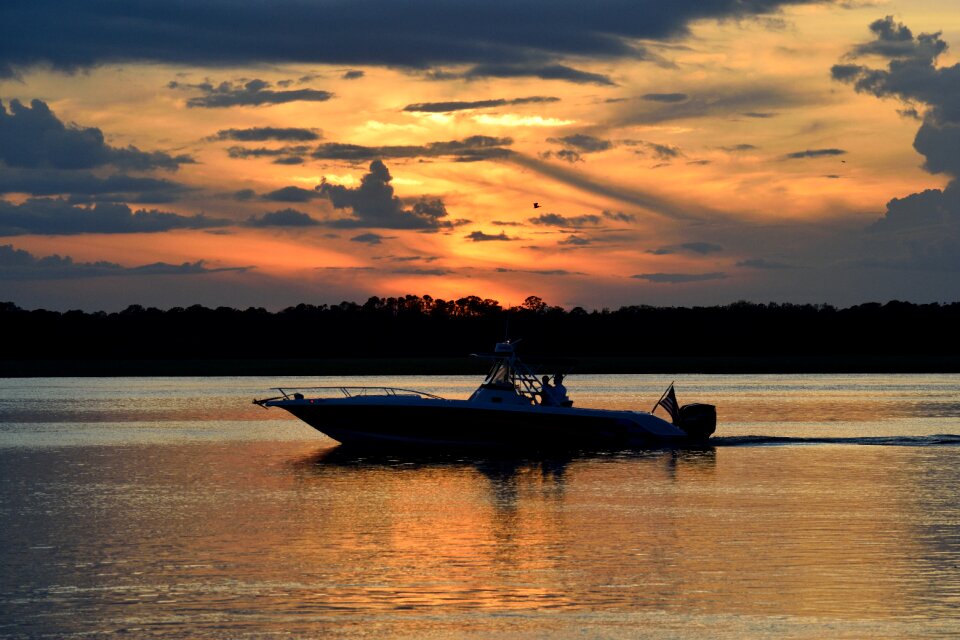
(513, 409)
(550, 466)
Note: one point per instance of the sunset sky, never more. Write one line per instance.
(246, 153)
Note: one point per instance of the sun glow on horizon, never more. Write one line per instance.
(733, 161)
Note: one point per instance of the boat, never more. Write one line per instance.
(512, 408)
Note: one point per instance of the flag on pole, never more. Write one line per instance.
(669, 402)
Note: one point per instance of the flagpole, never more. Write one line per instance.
(662, 396)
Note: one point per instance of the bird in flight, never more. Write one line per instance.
(536, 205)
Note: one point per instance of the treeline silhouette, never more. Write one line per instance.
(422, 326)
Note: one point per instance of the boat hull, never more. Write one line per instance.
(451, 423)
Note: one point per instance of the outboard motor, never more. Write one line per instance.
(698, 420)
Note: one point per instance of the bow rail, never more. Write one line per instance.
(296, 393)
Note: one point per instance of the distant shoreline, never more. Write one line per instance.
(469, 366)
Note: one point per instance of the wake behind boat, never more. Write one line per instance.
(512, 408)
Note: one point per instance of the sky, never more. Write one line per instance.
(619, 152)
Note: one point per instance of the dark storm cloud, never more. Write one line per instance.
(814, 153)
(501, 37)
(17, 264)
(253, 93)
(374, 205)
(32, 137)
(54, 216)
(473, 148)
(480, 236)
(927, 224)
(573, 222)
(679, 278)
(282, 218)
(665, 97)
(447, 107)
(261, 134)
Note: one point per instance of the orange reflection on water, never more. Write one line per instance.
(266, 537)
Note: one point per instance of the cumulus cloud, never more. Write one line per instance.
(913, 77)
(17, 264)
(55, 216)
(261, 134)
(933, 209)
(895, 40)
(291, 194)
(447, 107)
(926, 224)
(253, 93)
(282, 218)
(32, 137)
(480, 236)
(373, 204)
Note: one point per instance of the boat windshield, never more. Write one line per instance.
(499, 374)
(508, 372)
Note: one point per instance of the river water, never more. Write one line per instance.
(827, 507)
